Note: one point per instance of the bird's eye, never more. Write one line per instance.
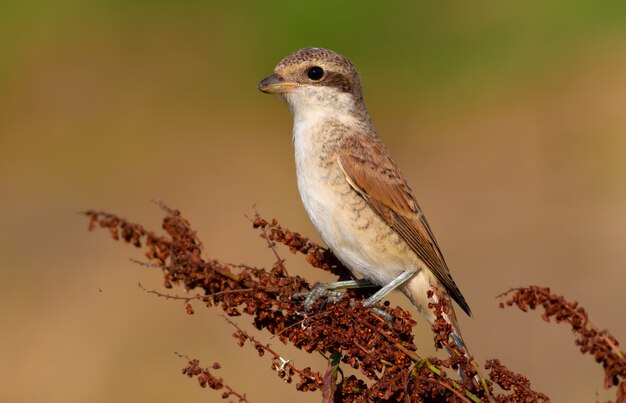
(315, 73)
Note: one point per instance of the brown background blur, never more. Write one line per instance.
(509, 121)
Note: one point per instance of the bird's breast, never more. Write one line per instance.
(354, 232)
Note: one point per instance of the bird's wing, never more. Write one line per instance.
(373, 174)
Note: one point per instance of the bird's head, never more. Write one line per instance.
(316, 79)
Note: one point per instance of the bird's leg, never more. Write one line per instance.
(382, 293)
(392, 285)
(330, 291)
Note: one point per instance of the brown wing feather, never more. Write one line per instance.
(374, 175)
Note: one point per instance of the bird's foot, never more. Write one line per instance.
(333, 292)
(318, 292)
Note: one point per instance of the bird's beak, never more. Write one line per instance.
(275, 85)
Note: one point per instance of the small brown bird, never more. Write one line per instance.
(354, 193)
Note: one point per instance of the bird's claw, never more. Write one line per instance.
(332, 295)
(318, 292)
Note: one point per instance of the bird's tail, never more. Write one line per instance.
(457, 339)
(461, 348)
(443, 309)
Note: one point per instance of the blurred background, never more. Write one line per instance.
(508, 118)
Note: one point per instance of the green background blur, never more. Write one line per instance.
(508, 118)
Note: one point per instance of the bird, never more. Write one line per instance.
(352, 190)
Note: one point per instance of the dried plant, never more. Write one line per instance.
(344, 332)
(589, 338)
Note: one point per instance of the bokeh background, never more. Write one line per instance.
(508, 118)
